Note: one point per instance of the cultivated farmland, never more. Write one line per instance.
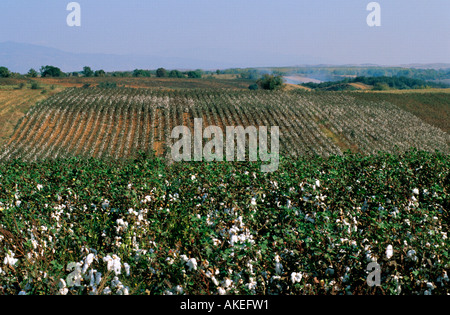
(86, 208)
(118, 123)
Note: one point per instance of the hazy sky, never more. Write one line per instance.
(259, 31)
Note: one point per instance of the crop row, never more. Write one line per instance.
(119, 123)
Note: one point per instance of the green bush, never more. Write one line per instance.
(270, 82)
(107, 85)
(4, 72)
(35, 85)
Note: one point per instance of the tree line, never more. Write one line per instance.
(378, 83)
(55, 72)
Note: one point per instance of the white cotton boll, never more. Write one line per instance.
(98, 278)
(39, 187)
(278, 265)
(415, 191)
(88, 261)
(170, 260)
(389, 252)
(192, 264)
(179, 289)
(221, 291)
(116, 265)
(62, 287)
(10, 260)
(398, 288)
(107, 291)
(115, 283)
(184, 257)
(252, 284)
(105, 204)
(234, 240)
(214, 280)
(412, 255)
(127, 269)
(296, 277)
(109, 261)
(92, 277)
(253, 202)
(278, 268)
(228, 283)
(317, 183)
(445, 276)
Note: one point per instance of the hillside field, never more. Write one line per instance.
(121, 122)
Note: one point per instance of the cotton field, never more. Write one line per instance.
(94, 227)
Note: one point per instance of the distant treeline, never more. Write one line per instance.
(335, 73)
(378, 83)
(55, 72)
(323, 73)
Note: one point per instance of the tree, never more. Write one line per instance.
(381, 86)
(253, 87)
(176, 74)
(195, 74)
(32, 73)
(161, 73)
(100, 73)
(270, 82)
(4, 72)
(138, 73)
(87, 72)
(50, 71)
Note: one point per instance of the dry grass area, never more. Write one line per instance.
(14, 103)
(290, 87)
(361, 86)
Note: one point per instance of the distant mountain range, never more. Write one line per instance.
(20, 57)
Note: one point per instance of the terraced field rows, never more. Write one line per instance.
(120, 122)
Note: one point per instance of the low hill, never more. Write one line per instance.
(374, 83)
